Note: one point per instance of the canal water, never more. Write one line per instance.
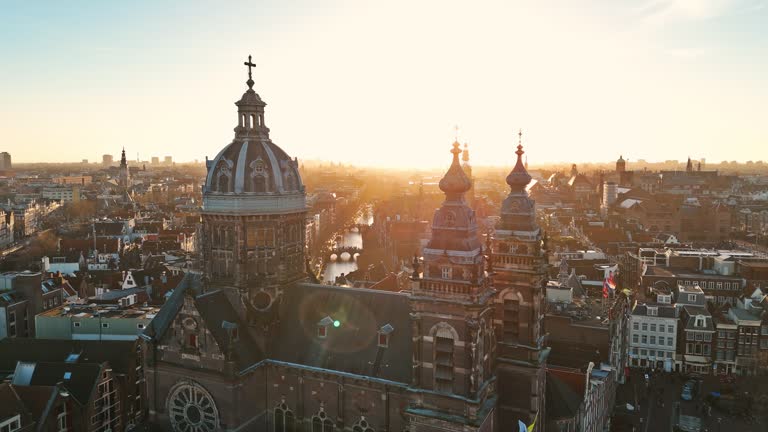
(351, 238)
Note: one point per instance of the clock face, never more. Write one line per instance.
(514, 206)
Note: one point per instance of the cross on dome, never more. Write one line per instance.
(250, 65)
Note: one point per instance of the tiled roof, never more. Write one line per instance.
(353, 346)
(218, 313)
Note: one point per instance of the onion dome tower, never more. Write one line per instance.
(519, 261)
(254, 207)
(452, 306)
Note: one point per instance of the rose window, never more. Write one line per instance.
(192, 409)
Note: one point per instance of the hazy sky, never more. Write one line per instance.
(384, 82)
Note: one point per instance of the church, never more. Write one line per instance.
(251, 344)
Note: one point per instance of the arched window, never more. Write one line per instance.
(253, 121)
(443, 353)
(290, 180)
(362, 426)
(321, 423)
(259, 176)
(511, 318)
(223, 183)
(284, 420)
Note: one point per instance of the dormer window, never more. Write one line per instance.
(692, 298)
(653, 311)
(700, 321)
(232, 329)
(322, 327)
(384, 332)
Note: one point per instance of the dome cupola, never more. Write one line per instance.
(252, 174)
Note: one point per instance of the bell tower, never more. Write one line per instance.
(452, 310)
(519, 261)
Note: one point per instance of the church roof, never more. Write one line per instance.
(163, 320)
(353, 346)
(218, 314)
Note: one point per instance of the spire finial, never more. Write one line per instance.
(456, 133)
(456, 151)
(250, 64)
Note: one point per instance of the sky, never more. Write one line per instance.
(385, 83)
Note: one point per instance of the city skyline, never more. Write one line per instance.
(586, 81)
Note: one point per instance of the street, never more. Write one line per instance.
(660, 403)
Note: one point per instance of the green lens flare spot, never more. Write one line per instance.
(336, 323)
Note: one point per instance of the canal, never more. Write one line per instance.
(350, 238)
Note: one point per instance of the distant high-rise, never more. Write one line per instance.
(5, 161)
(107, 160)
(155, 160)
(168, 160)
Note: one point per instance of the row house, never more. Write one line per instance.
(581, 401)
(696, 335)
(653, 334)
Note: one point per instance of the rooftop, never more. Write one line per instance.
(93, 310)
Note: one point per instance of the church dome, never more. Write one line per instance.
(253, 167)
(252, 174)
